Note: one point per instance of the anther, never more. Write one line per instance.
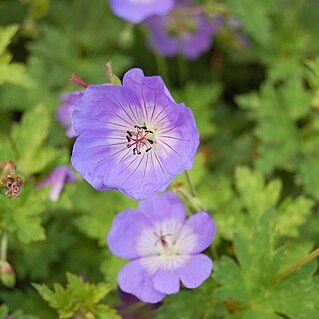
(139, 139)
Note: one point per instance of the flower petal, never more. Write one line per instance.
(105, 107)
(197, 234)
(195, 271)
(166, 281)
(190, 43)
(163, 207)
(57, 178)
(137, 176)
(152, 93)
(137, 11)
(93, 158)
(125, 232)
(134, 279)
(176, 146)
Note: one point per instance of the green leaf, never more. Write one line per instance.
(227, 209)
(22, 215)
(292, 214)
(253, 284)
(256, 19)
(6, 150)
(96, 215)
(111, 267)
(105, 312)
(307, 174)
(10, 72)
(200, 304)
(4, 311)
(77, 298)
(277, 130)
(256, 195)
(201, 104)
(23, 303)
(29, 137)
(6, 35)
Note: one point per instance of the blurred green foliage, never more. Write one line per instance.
(255, 97)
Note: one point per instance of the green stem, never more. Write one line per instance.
(297, 265)
(162, 67)
(183, 70)
(4, 247)
(161, 62)
(193, 201)
(190, 183)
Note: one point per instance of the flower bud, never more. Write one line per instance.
(7, 274)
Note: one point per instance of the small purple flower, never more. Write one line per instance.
(133, 138)
(65, 110)
(165, 248)
(58, 177)
(182, 31)
(138, 10)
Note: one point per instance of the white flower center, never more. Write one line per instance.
(166, 245)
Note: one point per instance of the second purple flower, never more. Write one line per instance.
(165, 248)
(134, 138)
(182, 31)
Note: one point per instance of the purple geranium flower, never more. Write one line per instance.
(138, 10)
(65, 110)
(133, 138)
(165, 248)
(58, 177)
(183, 31)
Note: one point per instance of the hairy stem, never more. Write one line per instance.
(190, 183)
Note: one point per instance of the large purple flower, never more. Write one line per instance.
(165, 248)
(65, 110)
(133, 138)
(138, 10)
(57, 179)
(182, 31)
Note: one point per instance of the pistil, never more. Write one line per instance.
(138, 139)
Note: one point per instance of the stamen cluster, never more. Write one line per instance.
(139, 139)
(12, 185)
(10, 182)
